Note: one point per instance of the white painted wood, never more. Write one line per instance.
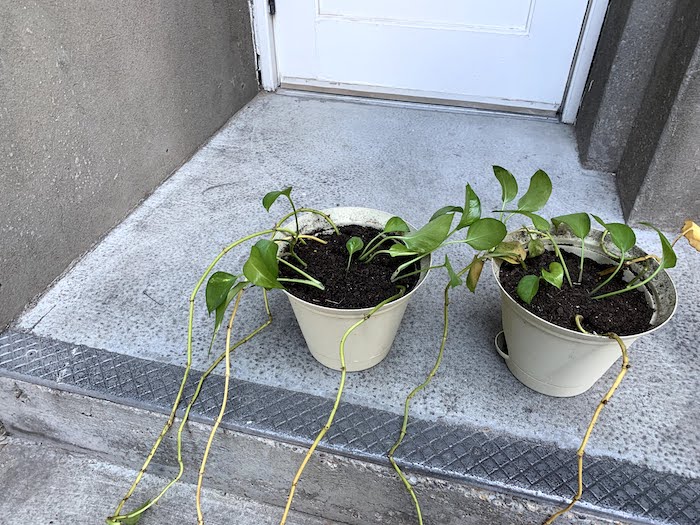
(592, 26)
(511, 53)
(264, 42)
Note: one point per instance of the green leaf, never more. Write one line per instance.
(485, 234)
(472, 209)
(539, 222)
(430, 236)
(445, 210)
(474, 273)
(218, 286)
(354, 244)
(555, 275)
(578, 223)
(621, 235)
(535, 248)
(396, 224)
(262, 268)
(527, 288)
(399, 250)
(669, 255)
(455, 280)
(221, 311)
(509, 186)
(270, 198)
(537, 193)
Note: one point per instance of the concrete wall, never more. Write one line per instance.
(99, 103)
(659, 175)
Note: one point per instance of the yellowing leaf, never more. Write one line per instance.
(474, 273)
(691, 231)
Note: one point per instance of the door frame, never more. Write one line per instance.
(264, 44)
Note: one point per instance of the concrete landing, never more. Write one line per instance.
(129, 295)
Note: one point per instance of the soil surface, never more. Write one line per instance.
(623, 314)
(365, 285)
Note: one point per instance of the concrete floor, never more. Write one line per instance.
(130, 293)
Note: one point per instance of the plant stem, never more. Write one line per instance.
(171, 418)
(405, 265)
(368, 255)
(331, 416)
(605, 248)
(309, 210)
(224, 402)
(404, 424)
(580, 269)
(420, 270)
(311, 281)
(603, 402)
(628, 288)
(610, 278)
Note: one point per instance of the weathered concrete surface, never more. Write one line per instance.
(334, 488)
(659, 176)
(630, 41)
(99, 103)
(130, 294)
(44, 484)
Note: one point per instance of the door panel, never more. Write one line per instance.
(504, 53)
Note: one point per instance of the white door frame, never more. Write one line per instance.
(264, 42)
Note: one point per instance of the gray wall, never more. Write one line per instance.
(640, 111)
(99, 103)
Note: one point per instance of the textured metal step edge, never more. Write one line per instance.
(614, 489)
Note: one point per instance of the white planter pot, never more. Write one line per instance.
(560, 362)
(323, 327)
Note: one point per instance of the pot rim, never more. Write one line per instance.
(570, 241)
(425, 265)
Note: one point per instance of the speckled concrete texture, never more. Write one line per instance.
(130, 294)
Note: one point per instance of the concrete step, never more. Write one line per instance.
(481, 445)
(112, 407)
(43, 484)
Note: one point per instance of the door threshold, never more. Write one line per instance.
(419, 103)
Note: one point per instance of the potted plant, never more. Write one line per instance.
(578, 298)
(396, 248)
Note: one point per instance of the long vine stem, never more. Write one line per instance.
(224, 403)
(404, 424)
(331, 416)
(606, 398)
(178, 398)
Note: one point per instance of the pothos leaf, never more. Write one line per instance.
(512, 252)
(430, 236)
(262, 268)
(354, 244)
(539, 222)
(445, 210)
(474, 273)
(270, 198)
(485, 234)
(218, 286)
(669, 256)
(578, 223)
(221, 310)
(396, 224)
(472, 209)
(555, 275)
(535, 248)
(691, 231)
(537, 193)
(621, 235)
(399, 250)
(509, 186)
(455, 280)
(528, 287)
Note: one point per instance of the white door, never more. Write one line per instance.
(500, 54)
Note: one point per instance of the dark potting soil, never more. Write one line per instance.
(365, 285)
(623, 314)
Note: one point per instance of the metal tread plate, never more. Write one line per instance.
(536, 469)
